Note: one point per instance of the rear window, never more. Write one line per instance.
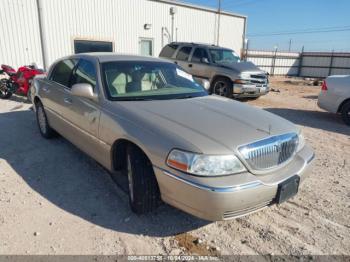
(184, 53)
(63, 71)
(168, 50)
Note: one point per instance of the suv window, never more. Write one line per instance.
(84, 74)
(199, 54)
(63, 71)
(168, 50)
(184, 53)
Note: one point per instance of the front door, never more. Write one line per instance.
(83, 114)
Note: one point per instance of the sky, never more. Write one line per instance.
(268, 17)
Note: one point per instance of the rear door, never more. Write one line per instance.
(183, 56)
(53, 93)
(200, 63)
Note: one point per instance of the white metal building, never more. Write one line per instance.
(43, 30)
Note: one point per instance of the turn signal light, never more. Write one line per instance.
(324, 86)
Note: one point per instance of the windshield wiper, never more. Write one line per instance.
(185, 97)
(135, 99)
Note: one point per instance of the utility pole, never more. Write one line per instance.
(290, 44)
(219, 16)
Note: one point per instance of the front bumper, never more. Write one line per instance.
(227, 197)
(241, 91)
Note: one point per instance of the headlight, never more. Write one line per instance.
(242, 81)
(301, 142)
(204, 165)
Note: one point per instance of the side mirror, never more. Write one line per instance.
(205, 60)
(84, 90)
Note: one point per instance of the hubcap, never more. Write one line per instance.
(42, 119)
(3, 88)
(220, 88)
(131, 189)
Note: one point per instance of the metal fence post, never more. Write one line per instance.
(301, 56)
(331, 64)
(274, 62)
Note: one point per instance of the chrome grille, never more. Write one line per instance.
(271, 152)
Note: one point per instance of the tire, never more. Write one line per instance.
(345, 113)
(223, 87)
(29, 95)
(4, 92)
(144, 193)
(45, 130)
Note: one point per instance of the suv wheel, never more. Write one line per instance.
(345, 113)
(223, 87)
(144, 193)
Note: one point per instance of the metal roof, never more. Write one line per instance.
(198, 7)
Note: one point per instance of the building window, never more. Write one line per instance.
(146, 47)
(86, 46)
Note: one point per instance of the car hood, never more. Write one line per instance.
(242, 67)
(211, 124)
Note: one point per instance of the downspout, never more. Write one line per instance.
(41, 33)
(244, 36)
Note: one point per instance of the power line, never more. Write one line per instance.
(299, 32)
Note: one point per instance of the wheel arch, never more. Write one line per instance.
(216, 77)
(118, 153)
(342, 104)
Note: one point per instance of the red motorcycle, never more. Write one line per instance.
(17, 82)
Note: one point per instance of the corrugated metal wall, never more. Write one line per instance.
(19, 33)
(119, 21)
(307, 64)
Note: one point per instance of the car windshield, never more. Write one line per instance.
(224, 56)
(138, 80)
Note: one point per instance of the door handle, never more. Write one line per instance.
(190, 65)
(45, 89)
(68, 100)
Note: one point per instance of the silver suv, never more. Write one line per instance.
(222, 67)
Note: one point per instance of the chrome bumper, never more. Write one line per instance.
(223, 198)
(250, 90)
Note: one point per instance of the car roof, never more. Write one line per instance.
(111, 57)
(200, 45)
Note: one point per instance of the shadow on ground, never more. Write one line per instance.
(315, 119)
(74, 182)
(313, 97)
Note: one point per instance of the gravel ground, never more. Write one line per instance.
(56, 200)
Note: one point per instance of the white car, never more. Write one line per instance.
(335, 96)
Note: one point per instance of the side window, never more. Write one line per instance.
(63, 71)
(199, 55)
(84, 74)
(168, 50)
(184, 53)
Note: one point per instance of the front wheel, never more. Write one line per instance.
(144, 193)
(5, 93)
(222, 87)
(345, 113)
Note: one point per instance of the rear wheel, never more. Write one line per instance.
(44, 127)
(5, 93)
(345, 113)
(222, 87)
(144, 193)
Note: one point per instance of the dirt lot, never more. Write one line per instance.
(56, 200)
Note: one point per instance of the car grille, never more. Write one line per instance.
(271, 152)
(259, 79)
